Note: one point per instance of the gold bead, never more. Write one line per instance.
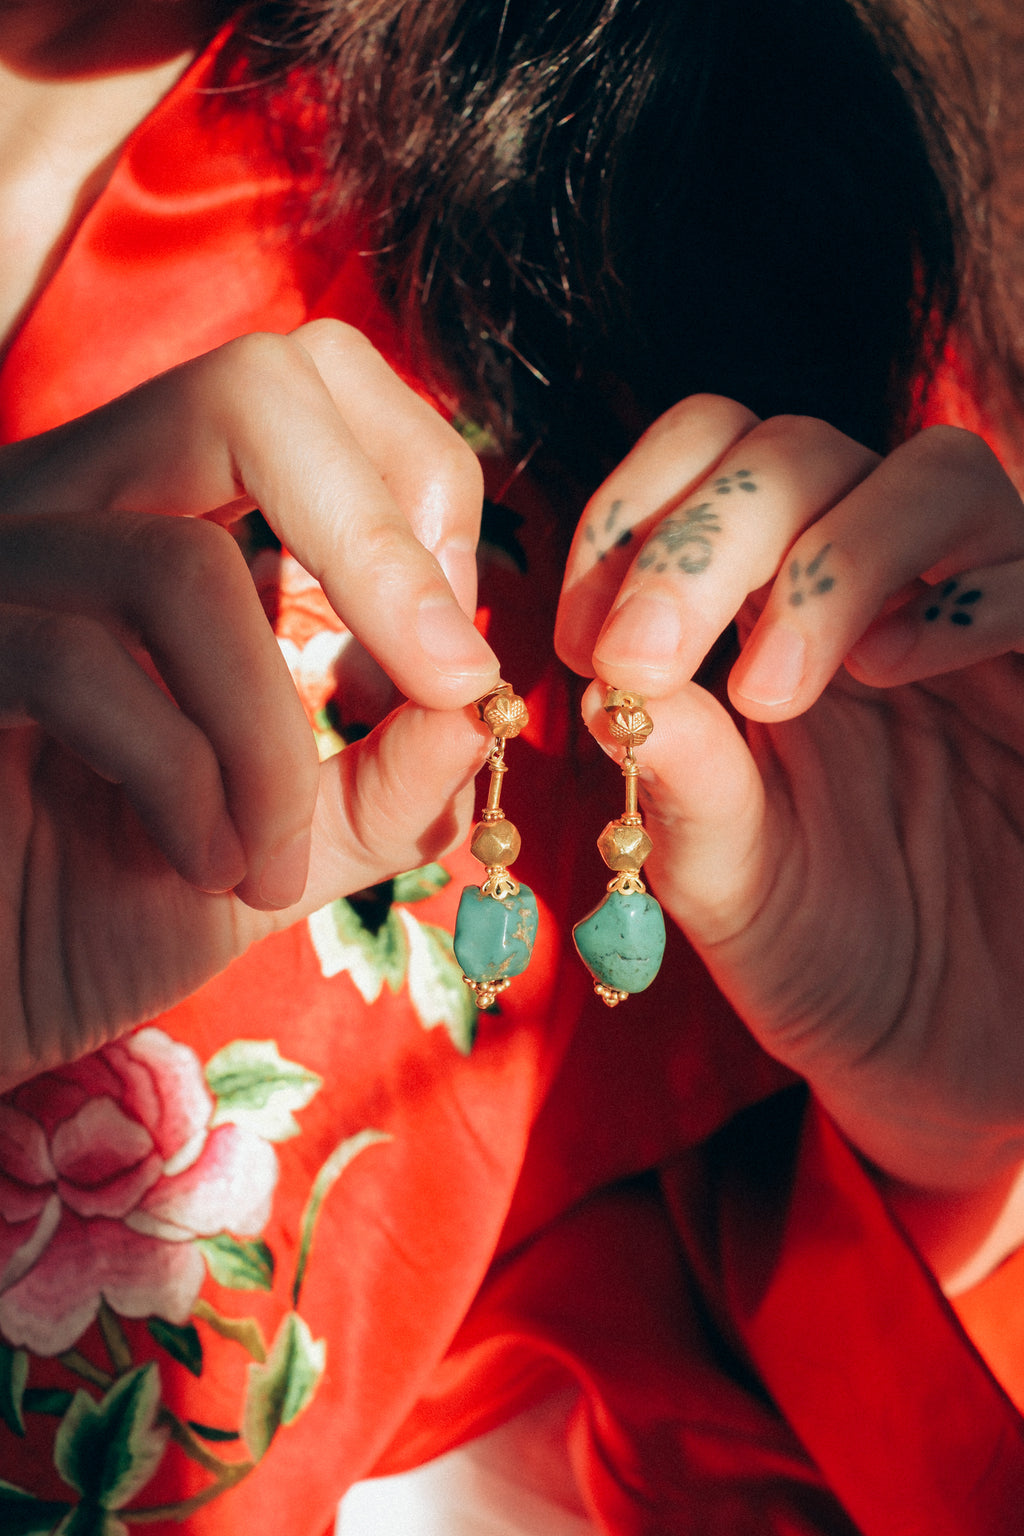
(630, 724)
(496, 842)
(504, 714)
(624, 845)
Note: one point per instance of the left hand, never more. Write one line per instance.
(848, 857)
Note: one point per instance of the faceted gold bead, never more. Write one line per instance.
(505, 714)
(495, 842)
(627, 723)
(624, 846)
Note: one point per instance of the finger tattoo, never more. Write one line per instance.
(684, 539)
(953, 604)
(607, 538)
(810, 580)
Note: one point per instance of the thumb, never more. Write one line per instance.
(703, 804)
(395, 800)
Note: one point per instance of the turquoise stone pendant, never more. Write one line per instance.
(494, 937)
(622, 942)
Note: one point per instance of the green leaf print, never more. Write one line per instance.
(239, 1265)
(343, 943)
(107, 1451)
(240, 1330)
(257, 1088)
(278, 1391)
(22, 1514)
(13, 1376)
(322, 1184)
(54, 1401)
(214, 1435)
(418, 884)
(182, 1343)
(89, 1519)
(436, 987)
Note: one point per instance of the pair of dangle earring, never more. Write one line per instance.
(623, 940)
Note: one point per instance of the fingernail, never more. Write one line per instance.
(885, 646)
(282, 879)
(225, 858)
(450, 640)
(645, 631)
(459, 565)
(776, 669)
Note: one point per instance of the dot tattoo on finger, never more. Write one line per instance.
(741, 480)
(810, 580)
(954, 604)
(606, 538)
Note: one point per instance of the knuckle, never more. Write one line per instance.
(259, 365)
(455, 471)
(192, 561)
(54, 654)
(705, 413)
(258, 353)
(801, 432)
(957, 451)
(386, 547)
(334, 336)
(179, 568)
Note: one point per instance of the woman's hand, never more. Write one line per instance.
(154, 756)
(848, 857)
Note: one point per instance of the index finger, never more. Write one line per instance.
(298, 457)
(255, 423)
(718, 545)
(673, 456)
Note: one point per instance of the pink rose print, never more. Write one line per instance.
(109, 1169)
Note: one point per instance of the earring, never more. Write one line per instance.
(496, 923)
(623, 940)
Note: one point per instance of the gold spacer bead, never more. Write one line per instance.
(624, 845)
(496, 842)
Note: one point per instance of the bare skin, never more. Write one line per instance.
(75, 80)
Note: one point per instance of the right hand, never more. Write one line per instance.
(152, 827)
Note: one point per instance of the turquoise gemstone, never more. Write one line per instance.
(494, 938)
(623, 940)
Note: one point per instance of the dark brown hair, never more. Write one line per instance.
(583, 210)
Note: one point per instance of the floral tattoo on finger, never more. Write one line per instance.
(684, 540)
